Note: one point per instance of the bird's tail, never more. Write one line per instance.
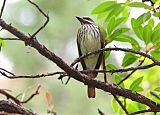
(91, 89)
(91, 92)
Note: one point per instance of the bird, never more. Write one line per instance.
(89, 39)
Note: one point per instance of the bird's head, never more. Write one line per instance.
(85, 20)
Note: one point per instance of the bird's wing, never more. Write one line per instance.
(79, 51)
(101, 54)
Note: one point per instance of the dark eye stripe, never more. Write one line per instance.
(88, 19)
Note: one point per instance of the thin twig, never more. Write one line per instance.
(104, 68)
(131, 72)
(100, 112)
(32, 76)
(152, 3)
(115, 49)
(17, 39)
(45, 15)
(123, 70)
(2, 8)
(119, 102)
(155, 95)
(9, 96)
(34, 94)
(68, 76)
(13, 98)
(141, 111)
(7, 71)
(62, 74)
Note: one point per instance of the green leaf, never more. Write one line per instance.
(129, 39)
(103, 7)
(141, 106)
(131, 106)
(103, 30)
(110, 67)
(1, 42)
(139, 5)
(116, 10)
(156, 27)
(157, 2)
(157, 89)
(125, 13)
(128, 59)
(157, 45)
(156, 54)
(115, 106)
(111, 25)
(102, 15)
(157, 14)
(147, 33)
(133, 21)
(118, 32)
(107, 54)
(135, 84)
(143, 18)
(151, 22)
(138, 89)
(119, 21)
(138, 30)
(117, 79)
(155, 38)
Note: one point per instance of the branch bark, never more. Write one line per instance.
(11, 108)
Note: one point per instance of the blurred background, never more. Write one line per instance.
(60, 37)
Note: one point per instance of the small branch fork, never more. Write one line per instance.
(45, 15)
(73, 72)
(17, 101)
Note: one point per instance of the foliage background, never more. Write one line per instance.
(60, 37)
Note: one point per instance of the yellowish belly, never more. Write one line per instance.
(90, 45)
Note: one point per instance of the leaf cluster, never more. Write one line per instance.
(142, 34)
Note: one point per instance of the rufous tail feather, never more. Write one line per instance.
(91, 89)
(91, 92)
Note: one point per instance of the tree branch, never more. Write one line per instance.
(31, 76)
(17, 101)
(11, 108)
(113, 89)
(9, 96)
(116, 49)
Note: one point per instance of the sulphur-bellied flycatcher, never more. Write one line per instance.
(89, 39)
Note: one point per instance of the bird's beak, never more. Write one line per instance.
(79, 18)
